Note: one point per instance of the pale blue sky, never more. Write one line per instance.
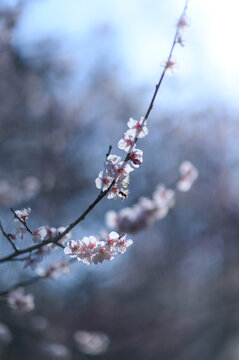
(209, 63)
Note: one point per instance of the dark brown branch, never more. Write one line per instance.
(109, 151)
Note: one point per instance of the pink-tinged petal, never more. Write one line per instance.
(131, 123)
(121, 144)
(113, 235)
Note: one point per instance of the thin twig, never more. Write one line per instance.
(109, 151)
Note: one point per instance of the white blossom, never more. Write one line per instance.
(137, 128)
(40, 234)
(103, 180)
(22, 214)
(126, 143)
(92, 250)
(136, 157)
(171, 66)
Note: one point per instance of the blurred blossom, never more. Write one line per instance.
(188, 174)
(19, 301)
(5, 334)
(145, 212)
(55, 350)
(14, 194)
(171, 66)
(92, 343)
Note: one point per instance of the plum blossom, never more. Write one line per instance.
(39, 234)
(188, 174)
(17, 300)
(22, 214)
(136, 157)
(170, 66)
(96, 250)
(126, 143)
(104, 252)
(137, 128)
(123, 243)
(117, 170)
(103, 180)
(183, 23)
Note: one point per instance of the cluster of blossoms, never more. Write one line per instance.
(92, 250)
(43, 233)
(116, 170)
(146, 211)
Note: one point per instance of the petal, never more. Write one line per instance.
(131, 123)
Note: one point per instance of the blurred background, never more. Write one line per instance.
(71, 74)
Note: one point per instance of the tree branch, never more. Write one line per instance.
(102, 193)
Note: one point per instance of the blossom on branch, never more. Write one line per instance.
(170, 66)
(90, 249)
(136, 157)
(126, 143)
(103, 180)
(39, 234)
(23, 214)
(137, 128)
